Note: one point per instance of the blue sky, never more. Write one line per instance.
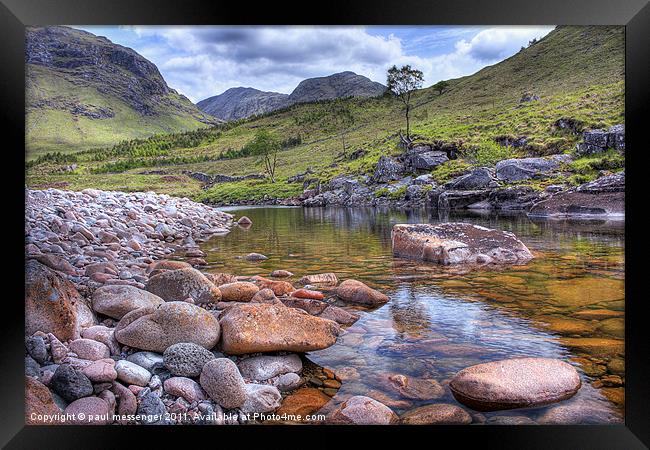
(202, 61)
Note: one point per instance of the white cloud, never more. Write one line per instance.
(204, 61)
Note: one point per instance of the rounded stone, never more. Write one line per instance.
(131, 373)
(179, 284)
(441, 413)
(303, 402)
(89, 411)
(354, 291)
(266, 366)
(515, 383)
(117, 300)
(186, 359)
(239, 291)
(261, 398)
(222, 381)
(184, 387)
(101, 371)
(171, 323)
(90, 349)
(149, 360)
(361, 410)
(70, 383)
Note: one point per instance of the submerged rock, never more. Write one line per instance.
(436, 414)
(458, 243)
(263, 367)
(321, 278)
(354, 291)
(515, 383)
(361, 410)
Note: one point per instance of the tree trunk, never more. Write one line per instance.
(408, 133)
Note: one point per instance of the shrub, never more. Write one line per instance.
(489, 153)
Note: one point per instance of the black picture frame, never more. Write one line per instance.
(633, 14)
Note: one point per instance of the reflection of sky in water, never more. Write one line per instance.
(430, 329)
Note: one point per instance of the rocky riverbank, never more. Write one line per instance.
(513, 184)
(117, 332)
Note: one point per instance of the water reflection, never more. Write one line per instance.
(566, 303)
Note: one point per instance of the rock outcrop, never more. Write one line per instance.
(458, 243)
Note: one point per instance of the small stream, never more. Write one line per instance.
(567, 303)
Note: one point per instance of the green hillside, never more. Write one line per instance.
(578, 73)
(83, 91)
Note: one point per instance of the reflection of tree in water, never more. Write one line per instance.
(410, 316)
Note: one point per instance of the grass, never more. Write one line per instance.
(577, 71)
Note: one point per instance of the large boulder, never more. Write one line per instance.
(602, 197)
(117, 300)
(52, 304)
(427, 160)
(515, 383)
(388, 169)
(511, 170)
(155, 329)
(458, 243)
(262, 327)
(480, 178)
(361, 410)
(179, 284)
(354, 291)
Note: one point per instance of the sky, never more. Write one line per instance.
(202, 61)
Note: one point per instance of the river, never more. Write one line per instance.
(567, 303)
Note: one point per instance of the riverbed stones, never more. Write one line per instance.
(89, 349)
(255, 257)
(281, 274)
(303, 402)
(173, 322)
(161, 266)
(103, 334)
(151, 361)
(37, 348)
(515, 383)
(320, 278)
(265, 296)
(222, 381)
(89, 411)
(266, 366)
(38, 402)
(436, 414)
(279, 288)
(116, 300)
(101, 371)
(306, 293)
(152, 410)
(458, 243)
(179, 284)
(285, 329)
(354, 291)
(186, 359)
(131, 373)
(185, 387)
(240, 291)
(70, 383)
(414, 388)
(261, 398)
(50, 302)
(361, 410)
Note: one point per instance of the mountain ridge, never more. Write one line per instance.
(243, 102)
(84, 91)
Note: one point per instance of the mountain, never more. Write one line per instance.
(240, 102)
(84, 91)
(576, 72)
(344, 84)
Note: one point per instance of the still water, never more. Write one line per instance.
(566, 303)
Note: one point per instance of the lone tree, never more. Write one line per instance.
(267, 146)
(402, 82)
(440, 86)
(343, 120)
